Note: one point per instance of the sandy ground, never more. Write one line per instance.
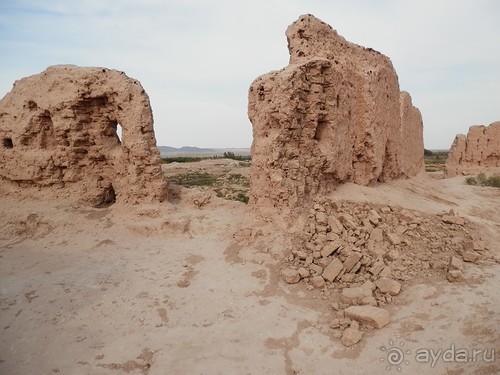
(181, 288)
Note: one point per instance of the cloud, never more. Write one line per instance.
(197, 59)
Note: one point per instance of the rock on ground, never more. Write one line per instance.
(351, 336)
(290, 276)
(371, 315)
(389, 286)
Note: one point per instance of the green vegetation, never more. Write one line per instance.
(435, 160)
(231, 155)
(242, 197)
(194, 179)
(193, 159)
(181, 159)
(482, 180)
(236, 178)
(231, 186)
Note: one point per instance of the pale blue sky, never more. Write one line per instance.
(196, 59)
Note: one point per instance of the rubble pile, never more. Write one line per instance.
(362, 254)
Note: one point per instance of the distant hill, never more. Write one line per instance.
(186, 149)
(191, 150)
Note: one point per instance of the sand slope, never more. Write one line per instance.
(181, 289)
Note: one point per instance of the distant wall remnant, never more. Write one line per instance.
(479, 150)
(334, 114)
(61, 129)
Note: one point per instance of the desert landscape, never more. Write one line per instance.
(331, 251)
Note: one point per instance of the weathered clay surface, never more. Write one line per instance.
(59, 129)
(479, 150)
(334, 114)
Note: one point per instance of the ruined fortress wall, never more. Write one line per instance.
(333, 115)
(59, 130)
(477, 151)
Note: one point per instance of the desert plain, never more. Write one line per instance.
(179, 288)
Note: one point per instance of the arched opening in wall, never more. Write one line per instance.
(119, 132)
(7, 143)
(320, 129)
(112, 133)
(108, 197)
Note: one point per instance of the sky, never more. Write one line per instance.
(196, 59)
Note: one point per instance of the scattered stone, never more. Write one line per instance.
(377, 267)
(183, 283)
(455, 270)
(351, 336)
(455, 276)
(290, 276)
(333, 270)
(374, 214)
(352, 260)
(470, 256)
(389, 286)
(386, 272)
(317, 281)
(303, 272)
(330, 248)
(448, 219)
(392, 255)
(354, 324)
(335, 323)
(316, 269)
(355, 295)
(393, 238)
(369, 285)
(337, 334)
(348, 221)
(478, 246)
(468, 246)
(301, 255)
(456, 263)
(322, 218)
(377, 235)
(371, 315)
(335, 225)
(348, 277)
(370, 300)
(400, 230)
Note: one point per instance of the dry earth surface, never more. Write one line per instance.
(193, 286)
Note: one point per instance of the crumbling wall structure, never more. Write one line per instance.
(58, 129)
(335, 114)
(474, 153)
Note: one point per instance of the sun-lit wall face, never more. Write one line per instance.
(89, 130)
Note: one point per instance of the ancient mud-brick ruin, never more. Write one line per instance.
(335, 114)
(58, 129)
(473, 153)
